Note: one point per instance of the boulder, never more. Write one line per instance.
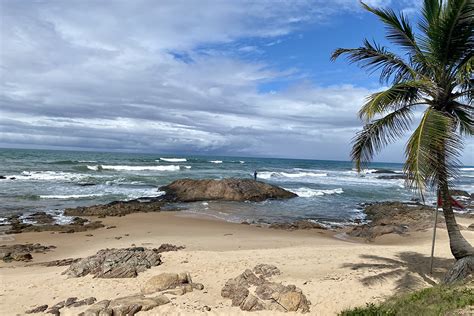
(393, 177)
(22, 252)
(470, 227)
(192, 190)
(46, 223)
(116, 263)
(38, 309)
(252, 293)
(177, 283)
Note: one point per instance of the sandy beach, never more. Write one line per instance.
(326, 267)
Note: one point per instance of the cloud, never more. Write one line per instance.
(160, 76)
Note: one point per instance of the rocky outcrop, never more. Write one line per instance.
(191, 190)
(22, 252)
(128, 305)
(266, 295)
(386, 171)
(118, 263)
(45, 222)
(178, 283)
(393, 177)
(303, 224)
(395, 217)
(118, 208)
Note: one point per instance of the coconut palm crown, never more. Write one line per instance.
(434, 73)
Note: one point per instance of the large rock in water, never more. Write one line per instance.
(191, 190)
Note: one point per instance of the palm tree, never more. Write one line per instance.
(435, 72)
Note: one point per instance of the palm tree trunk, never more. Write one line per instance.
(460, 248)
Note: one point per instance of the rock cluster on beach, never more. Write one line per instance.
(395, 217)
(302, 224)
(252, 291)
(118, 208)
(22, 252)
(119, 263)
(46, 222)
(191, 190)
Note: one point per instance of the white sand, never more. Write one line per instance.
(315, 261)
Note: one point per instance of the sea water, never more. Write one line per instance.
(329, 192)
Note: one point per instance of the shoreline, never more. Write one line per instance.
(323, 266)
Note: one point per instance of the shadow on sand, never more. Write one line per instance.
(409, 269)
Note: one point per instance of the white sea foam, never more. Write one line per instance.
(216, 161)
(466, 169)
(308, 192)
(241, 161)
(273, 174)
(173, 159)
(71, 196)
(134, 168)
(82, 161)
(46, 176)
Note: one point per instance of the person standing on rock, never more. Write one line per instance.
(255, 175)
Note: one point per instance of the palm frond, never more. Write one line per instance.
(399, 29)
(374, 57)
(374, 136)
(464, 117)
(432, 151)
(397, 96)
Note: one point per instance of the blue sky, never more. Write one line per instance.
(245, 78)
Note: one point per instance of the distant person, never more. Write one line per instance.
(255, 175)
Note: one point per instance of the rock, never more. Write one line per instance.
(302, 224)
(41, 218)
(60, 262)
(110, 227)
(116, 263)
(293, 301)
(267, 295)
(77, 225)
(266, 270)
(128, 305)
(86, 301)
(384, 171)
(169, 247)
(166, 281)
(118, 208)
(38, 309)
(70, 301)
(393, 177)
(21, 252)
(3, 178)
(191, 190)
(470, 227)
(395, 217)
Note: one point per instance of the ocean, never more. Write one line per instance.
(330, 192)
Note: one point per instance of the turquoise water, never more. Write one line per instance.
(329, 191)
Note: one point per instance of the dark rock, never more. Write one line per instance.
(470, 227)
(41, 218)
(60, 262)
(111, 227)
(12, 178)
(77, 225)
(393, 177)
(395, 217)
(70, 301)
(21, 252)
(191, 190)
(169, 247)
(86, 301)
(118, 208)
(384, 171)
(38, 309)
(302, 224)
(116, 263)
(3, 178)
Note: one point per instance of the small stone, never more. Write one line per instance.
(38, 309)
(110, 227)
(70, 301)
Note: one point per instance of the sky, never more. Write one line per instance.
(239, 78)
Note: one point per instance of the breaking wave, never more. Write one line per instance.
(307, 192)
(273, 174)
(173, 159)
